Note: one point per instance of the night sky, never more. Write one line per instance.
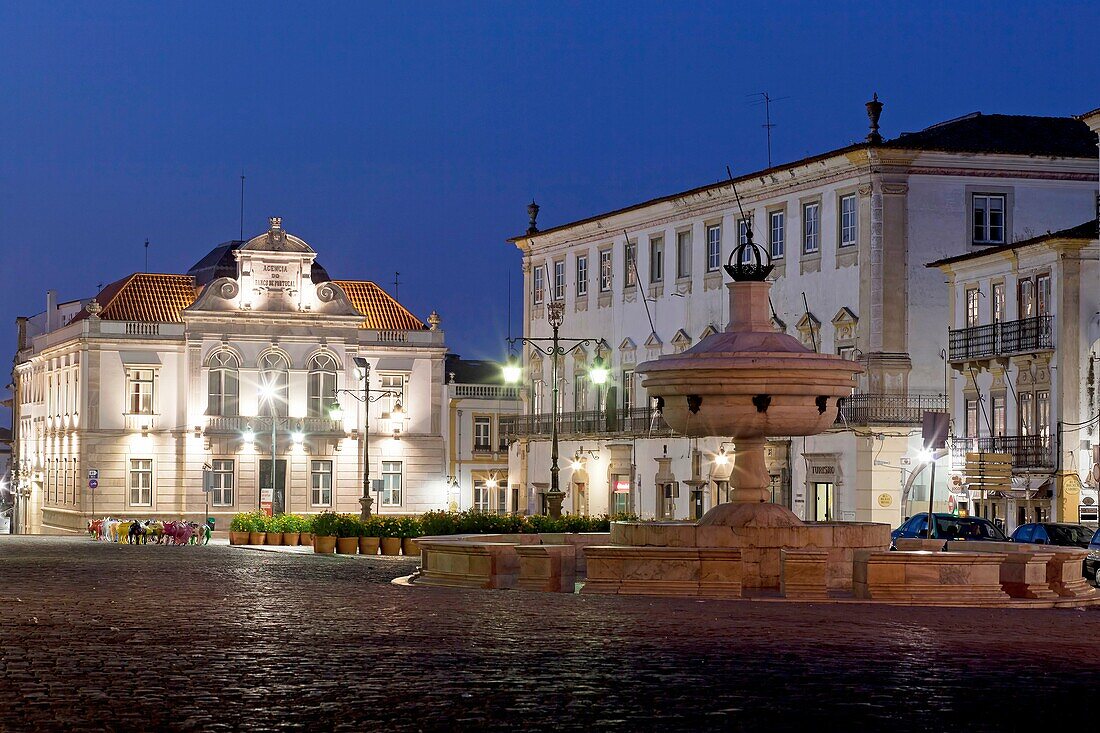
(410, 136)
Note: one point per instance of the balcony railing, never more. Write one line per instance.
(487, 391)
(637, 422)
(864, 408)
(1026, 335)
(238, 424)
(1027, 451)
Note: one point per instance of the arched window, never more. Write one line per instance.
(322, 385)
(223, 385)
(274, 375)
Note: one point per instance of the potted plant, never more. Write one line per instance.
(238, 529)
(324, 532)
(305, 527)
(347, 535)
(369, 530)
(410, 529)
(273, 526)
(257, 531)
(292, 527)
(390, 532)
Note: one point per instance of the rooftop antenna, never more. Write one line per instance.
(396, 285)
(147, 254)
(767, 100)
(242, 206)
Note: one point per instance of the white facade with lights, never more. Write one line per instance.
(234, 368)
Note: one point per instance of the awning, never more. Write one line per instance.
(139, 357)
(394, 364)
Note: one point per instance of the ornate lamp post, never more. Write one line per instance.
(555, 313)
(368, 396)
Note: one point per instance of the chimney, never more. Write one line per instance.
(874, 111)
(51, 310)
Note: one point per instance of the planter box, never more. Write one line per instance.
(256, 538)
(409, 546)
(290, 538)
(274, 538)
(347, 545)
(391, 545)
(368, 546)
(238, 538)
(324, 545)
(305, 538)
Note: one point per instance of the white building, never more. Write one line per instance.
(849, 231)
(237, 361)
(477, 449)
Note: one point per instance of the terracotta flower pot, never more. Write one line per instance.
(324, 545)
(347, 545)
(238, 538)
(256, 538)
(290, 538)
(305, 538)
(410, 547)
(274, 538)
(391, 545)
(368, 546)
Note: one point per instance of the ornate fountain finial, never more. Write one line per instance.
(749, 262)
(874, 111)
(433, 321)
(533, 213)
(94, 309)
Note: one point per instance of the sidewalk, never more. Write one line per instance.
(305, 550)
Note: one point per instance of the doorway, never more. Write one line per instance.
(278, 496)
(822, 501)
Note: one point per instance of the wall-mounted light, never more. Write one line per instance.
(249, 435)
(297, 436)
(336, 411)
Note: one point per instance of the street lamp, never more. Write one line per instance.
(336, 412)
(555, 314)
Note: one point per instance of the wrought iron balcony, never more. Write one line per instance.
(636, 423)
(1027, 335)
(1027, 451)
(864, 408)
(236, 424)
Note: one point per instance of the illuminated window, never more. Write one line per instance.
(141, 482)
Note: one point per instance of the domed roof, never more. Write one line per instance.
(276, 239)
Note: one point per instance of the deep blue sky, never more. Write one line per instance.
(410, 136)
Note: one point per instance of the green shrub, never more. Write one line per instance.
(296, 523)
(239, 522)
(348, 526)
(409, 527)
(325, 524)
(388, 527)
(439, 523)
(370, 527)
(275, 523)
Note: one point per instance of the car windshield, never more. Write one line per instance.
(1074, 534)
(966, 528)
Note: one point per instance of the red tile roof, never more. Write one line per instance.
(379, 307)
(147, 297)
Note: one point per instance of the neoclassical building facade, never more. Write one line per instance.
(228, 375)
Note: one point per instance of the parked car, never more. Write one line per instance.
(1050, 533)
(1092, 560)
(949, 527)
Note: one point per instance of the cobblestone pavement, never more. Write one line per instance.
(97, 636)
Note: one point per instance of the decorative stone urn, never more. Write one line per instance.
(749, 382)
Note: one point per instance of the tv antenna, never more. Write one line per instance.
(147, 254)
(242, 206)
(396, 285)
(766, 100)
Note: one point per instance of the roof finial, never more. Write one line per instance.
(433, 321)
(533, 213)
(94, 309)
(276, 222)
(874, 111)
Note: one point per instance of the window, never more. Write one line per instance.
(320, 482)
(972, 307)
(391, 483)
(580, 393)
(559, 280)
(714, 247)
(998, 409)
(743, 226)
(502, 498)
(141, 392)
(628, 389)
(223, 385)
(657, 259)
(971, 418)
(536, 395)
(321, 391)
(221, 482)
(989, 218)
(1025, 298)
(1026, 407)
(274, 375)
(141, 482)
(481, 496)
(683, 254)
(811, 228)
(395, 384)
(777, 234)
(605, 271)
(998, 302)
(538, 284)
(502, 437)
(1042, 295)
(630, 257)
(1042, 412)
(582, 275)
(483, 429)
(848, 220)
